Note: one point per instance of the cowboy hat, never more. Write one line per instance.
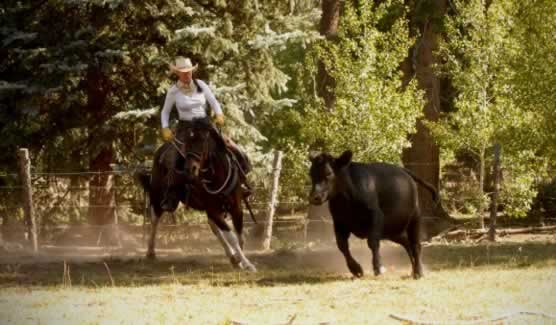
(182, 65)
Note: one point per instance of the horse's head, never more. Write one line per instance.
(199, 143)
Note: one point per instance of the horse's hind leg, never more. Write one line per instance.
(227, 248)
(237, 218)
(155, 217)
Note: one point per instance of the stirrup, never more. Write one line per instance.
(247, 191)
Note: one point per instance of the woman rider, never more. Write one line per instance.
(190, 97)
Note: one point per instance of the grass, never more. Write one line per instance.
(462, 283)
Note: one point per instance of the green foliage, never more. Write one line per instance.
(83, 76)
(533, 74)
(373, 113)
(478, 51)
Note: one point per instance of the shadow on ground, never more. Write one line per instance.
(275, 268)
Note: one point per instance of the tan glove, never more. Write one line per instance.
(167, 134)
(219, 119)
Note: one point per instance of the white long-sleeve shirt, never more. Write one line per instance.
(189, 106)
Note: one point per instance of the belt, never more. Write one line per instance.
(202, 121)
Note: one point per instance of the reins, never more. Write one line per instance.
(225, 184)
(202, 159)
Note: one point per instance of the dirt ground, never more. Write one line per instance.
(321, 256)
(514, 278)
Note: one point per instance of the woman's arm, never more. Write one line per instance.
(167, 108)
(213, 103)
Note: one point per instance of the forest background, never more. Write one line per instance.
(430, 84)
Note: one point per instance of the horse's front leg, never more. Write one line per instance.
(227, 248)
(232, 240)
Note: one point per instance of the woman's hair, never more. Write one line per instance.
(196, 82)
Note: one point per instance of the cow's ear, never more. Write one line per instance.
(313, 154)
(343, 160)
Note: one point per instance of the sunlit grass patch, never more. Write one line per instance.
(462, 282)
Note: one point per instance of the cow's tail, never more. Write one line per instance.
(428, 186)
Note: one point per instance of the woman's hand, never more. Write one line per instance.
(167, 134)
(219, 119)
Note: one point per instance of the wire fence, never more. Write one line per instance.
(65, 203)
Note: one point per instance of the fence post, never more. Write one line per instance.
(27, 193)
(494, 197)
(276, 168)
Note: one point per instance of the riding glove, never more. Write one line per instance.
(167, 134)
(219, 119)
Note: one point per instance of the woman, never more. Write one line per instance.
(192, 98)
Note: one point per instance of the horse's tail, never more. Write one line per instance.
(144, 179)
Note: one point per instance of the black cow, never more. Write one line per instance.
(373, 201)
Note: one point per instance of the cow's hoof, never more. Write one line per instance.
(151, 256)
(358, 275)
(380, 271)
(356, 270)
(417, 276)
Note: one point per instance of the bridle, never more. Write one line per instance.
(202, 157)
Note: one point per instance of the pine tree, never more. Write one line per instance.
(83, 79)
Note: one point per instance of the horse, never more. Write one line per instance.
(211, 183)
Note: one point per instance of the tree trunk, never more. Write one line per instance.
(494, 195)
(101, 197)
(481, 193)
(423, 157)
(328, 28)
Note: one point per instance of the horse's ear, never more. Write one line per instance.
(343, 160)
(313, 154)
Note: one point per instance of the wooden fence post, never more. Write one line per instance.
(276, 168)
(494, 197)
(27, 195)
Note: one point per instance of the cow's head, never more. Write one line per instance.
(323, 172)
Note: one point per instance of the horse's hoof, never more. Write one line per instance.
(236, 264)
(250, 267)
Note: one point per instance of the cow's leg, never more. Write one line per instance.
(374, 244)
(227, 248)
(155, 218)
(414, 234)
(403, 240)
(373, 241)
(342, 240)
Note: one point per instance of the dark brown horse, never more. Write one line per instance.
(211, 182)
